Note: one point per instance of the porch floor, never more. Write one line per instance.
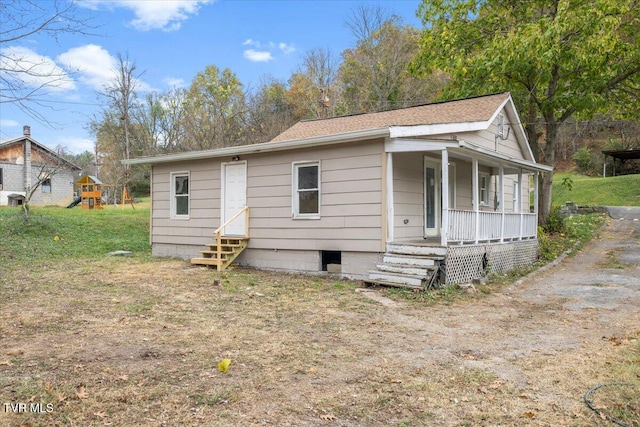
(426, 242)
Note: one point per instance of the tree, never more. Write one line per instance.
(269, 111)
(119, 131)
(25, 77)
(558, 58)
(215, 110)
(375, 73)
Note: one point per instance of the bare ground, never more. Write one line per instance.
(123, 342)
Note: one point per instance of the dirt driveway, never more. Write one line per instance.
(562, 318)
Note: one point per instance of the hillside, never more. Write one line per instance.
(621, 190)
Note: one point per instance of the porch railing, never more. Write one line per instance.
(490, 226)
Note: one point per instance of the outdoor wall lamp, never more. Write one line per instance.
(235, 158)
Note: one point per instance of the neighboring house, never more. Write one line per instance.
(23, 162)
(402, 197)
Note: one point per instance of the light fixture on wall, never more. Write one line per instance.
(235, 158)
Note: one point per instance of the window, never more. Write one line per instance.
(180, 195)
(46, 185)
(516, 196)
(306, 195)
(0, 178)
(500, 125)
(484, 189)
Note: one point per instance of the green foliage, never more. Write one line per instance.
(584, 160)
(555, 223)
(567, 233)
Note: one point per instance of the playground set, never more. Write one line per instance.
(90, 194)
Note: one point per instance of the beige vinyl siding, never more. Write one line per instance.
(350, 213)
(408, 195)
(350, 196)
(204, 211)
(464, 185)
(487, 138)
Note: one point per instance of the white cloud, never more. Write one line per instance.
(8, 123)
(166, 15)
(93, 63)
(257, 55)
(286, 48)
(95, 66)
(78, 145)
(34, 70)
(175, 82)
(264, 52)
(251, 42)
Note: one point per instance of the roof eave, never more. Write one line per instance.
(264, 147)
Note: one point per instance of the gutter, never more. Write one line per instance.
(263, 147)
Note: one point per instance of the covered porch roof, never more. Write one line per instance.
(467, 151)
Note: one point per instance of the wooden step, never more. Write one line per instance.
(409, 260)
(204, 261)
(406, 269)
(437, 252)
(397, 279)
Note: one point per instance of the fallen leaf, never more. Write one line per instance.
(81, 392)
(327, 417)
(100, 414)
(48, 388)
(223, 365)
(529, 414)
(60, 397)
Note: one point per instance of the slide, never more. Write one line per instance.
(74, 202)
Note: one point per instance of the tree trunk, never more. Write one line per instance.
(545, 193)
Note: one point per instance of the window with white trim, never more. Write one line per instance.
(306, 190)
(180, 195)
(516, 196)
(483, 188)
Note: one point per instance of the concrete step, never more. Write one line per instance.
(437, 252)
(406, 269)
(396, 279)
(409, 260)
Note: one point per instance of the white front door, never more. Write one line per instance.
(432, 200)
(234, 196)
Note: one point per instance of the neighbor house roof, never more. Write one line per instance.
(471, 110)
(19, 140)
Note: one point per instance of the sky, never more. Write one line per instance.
(170, 41)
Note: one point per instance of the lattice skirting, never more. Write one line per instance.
(465, 263)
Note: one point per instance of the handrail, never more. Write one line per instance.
(230, 220)
(218, 233)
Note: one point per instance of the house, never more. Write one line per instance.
(438, 192)
(24, 162)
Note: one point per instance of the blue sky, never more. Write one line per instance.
(170, 41)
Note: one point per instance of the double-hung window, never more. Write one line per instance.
(306, 190)
(180, 195)
(483, 189)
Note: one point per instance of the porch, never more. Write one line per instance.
(462, 209)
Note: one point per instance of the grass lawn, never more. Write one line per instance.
(596, 191)
(110, 341)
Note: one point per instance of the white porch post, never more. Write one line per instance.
(501, 201)
(535, 198)
(475, 197)
(444, 233)
(390, 211)
(518, 197)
